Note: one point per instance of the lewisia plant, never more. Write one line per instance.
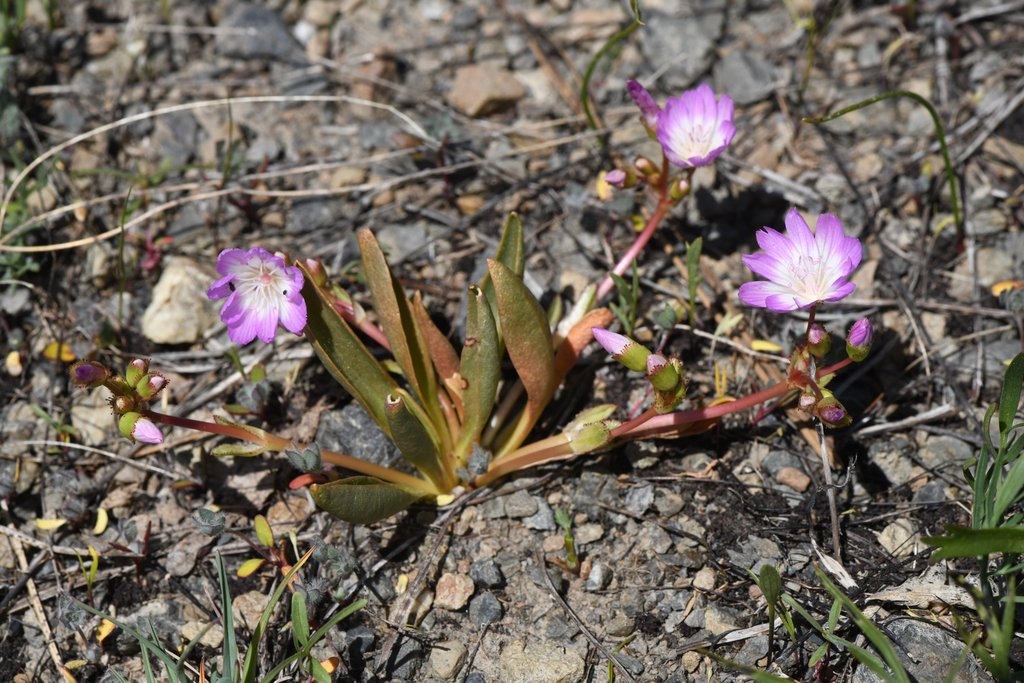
(459, 417)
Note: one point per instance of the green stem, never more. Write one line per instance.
(592, 66)
(276, 443)
(939, 130)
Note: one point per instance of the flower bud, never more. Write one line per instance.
(623, 349)
(661, 374)
(136, 370)
(679, 189)
(649, 109)
(150, 385)
(89, 374)
(830, 411)
(123, 404)
(858, 341)
(818, 341)
(616, 178)
(134, 427)
(646, 167)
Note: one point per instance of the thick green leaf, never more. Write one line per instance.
(300, 619)
(363, 500)
(511, 252)
(1009, 399)
(480, 367)
(343, 354)
(416, 439)
(528, 342)
(964, 542)
(398, 323)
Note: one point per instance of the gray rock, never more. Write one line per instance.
(486, 573)
(174, 138)
(746, 76)
(257, 32)
(946, 452)
(319, 213)
(180, 312)
(682, 45)
(639, 498)
(542, 662)
(543, 519)
(407, 660)
(350, 430)
(520, 504)
(892, 456)
(928, 653)
(485, 609)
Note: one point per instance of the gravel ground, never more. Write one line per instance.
(199, 126)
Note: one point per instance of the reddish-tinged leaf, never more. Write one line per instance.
(524, 328)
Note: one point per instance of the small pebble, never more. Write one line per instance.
(793, 478)
(485, 609)
(447, 658)
(453, 591)
(486, 573)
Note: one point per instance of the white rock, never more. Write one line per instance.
(180, 313)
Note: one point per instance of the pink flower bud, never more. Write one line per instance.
(150, 385)
(147, 432)
(858, 341)
(860, 333)
(616, 178)
(136, 370)
(89, 374)
(649, 109)
(819, 342)
(137, 428)
(614, 344)
(623, 349)
(832, 414)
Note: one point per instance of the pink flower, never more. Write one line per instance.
(694, 128)
(802, 267)
(261, 292)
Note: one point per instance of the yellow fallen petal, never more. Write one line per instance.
(402, 583)
(102, 519)
(1005, 285)
(50, 524)
(330, 665)
(58, 351)
(105, 628)
(13, 364)
(603, 189)
(444, 499)
(765, 346)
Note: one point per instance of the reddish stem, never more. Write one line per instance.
(665, 203)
